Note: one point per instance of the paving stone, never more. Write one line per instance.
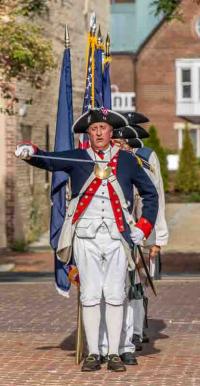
(37, 335)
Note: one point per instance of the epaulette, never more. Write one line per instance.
(143, 163)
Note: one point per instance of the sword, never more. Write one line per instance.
(146, 270)
(69, 159)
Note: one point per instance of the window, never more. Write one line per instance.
(195, 138)
(186, 83)
(26, 132)
(188, 88)
(26, 135)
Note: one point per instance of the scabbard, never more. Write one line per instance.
(146, 270)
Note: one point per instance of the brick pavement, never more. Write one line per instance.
(37, 339)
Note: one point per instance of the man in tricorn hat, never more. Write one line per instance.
(130, 138)
(98, 223)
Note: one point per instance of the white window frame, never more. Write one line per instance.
(186, 83)
(179, 83)
(180, 128)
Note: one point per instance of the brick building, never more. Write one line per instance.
(156, 68)
(24, 191)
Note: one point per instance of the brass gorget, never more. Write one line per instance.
(101, 173)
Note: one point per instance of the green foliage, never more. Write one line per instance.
(23, 7)
(169, 8)
(32, 7)
(194, 197)
(187, 178)
(154, 143)
(25, 53)
(19, 246)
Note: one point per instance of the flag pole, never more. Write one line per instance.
(67, 39)
(93, 27)
(79, 331)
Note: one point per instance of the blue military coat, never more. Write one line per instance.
(129, 173)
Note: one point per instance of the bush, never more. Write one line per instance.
(19, 246)
(154, 143)
(187, 178)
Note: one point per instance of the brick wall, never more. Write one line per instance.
(123, 72)
(2, 180)
(27, 194)
(154, 75)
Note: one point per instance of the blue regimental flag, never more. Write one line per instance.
(98, 78)
(107, 102)
(63, 141)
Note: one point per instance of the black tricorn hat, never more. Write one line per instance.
(141, 132)
(134, 142)
(134, 118)
(129, 131)
(94, 115)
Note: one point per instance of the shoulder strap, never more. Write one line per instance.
(144, 153)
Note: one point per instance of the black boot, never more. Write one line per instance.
(129, 358)
(91, 363)
(137, 342)
(115, 363)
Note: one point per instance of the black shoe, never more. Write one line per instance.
(103, 359)
(91, 363)
(115, 363)
(129, 358)
(145, 338)
(137, 342)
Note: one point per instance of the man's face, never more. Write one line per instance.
(100, 134)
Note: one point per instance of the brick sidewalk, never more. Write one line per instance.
(42, 261)
(29, 261)
(37, 329)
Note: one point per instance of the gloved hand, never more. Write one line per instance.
(137, 236)
(24, 151)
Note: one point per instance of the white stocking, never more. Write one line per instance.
(114, 319)
(91, 321)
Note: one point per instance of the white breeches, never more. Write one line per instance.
(102, 266)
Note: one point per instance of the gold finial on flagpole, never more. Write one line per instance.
(67, 39)
(107, 45)
(99, 36)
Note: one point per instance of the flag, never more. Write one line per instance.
(106, 85)
(63, 141)
(98, 78)
(93, 96)
(87, 102)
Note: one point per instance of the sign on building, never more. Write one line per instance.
(123, 101)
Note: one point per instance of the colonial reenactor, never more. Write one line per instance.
(98, 224)
(132, 332)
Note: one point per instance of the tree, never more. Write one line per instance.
(187, 178)
(154, 143)
(25, 53)
(169, 8)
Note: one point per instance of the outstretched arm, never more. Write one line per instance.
(26, 151)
